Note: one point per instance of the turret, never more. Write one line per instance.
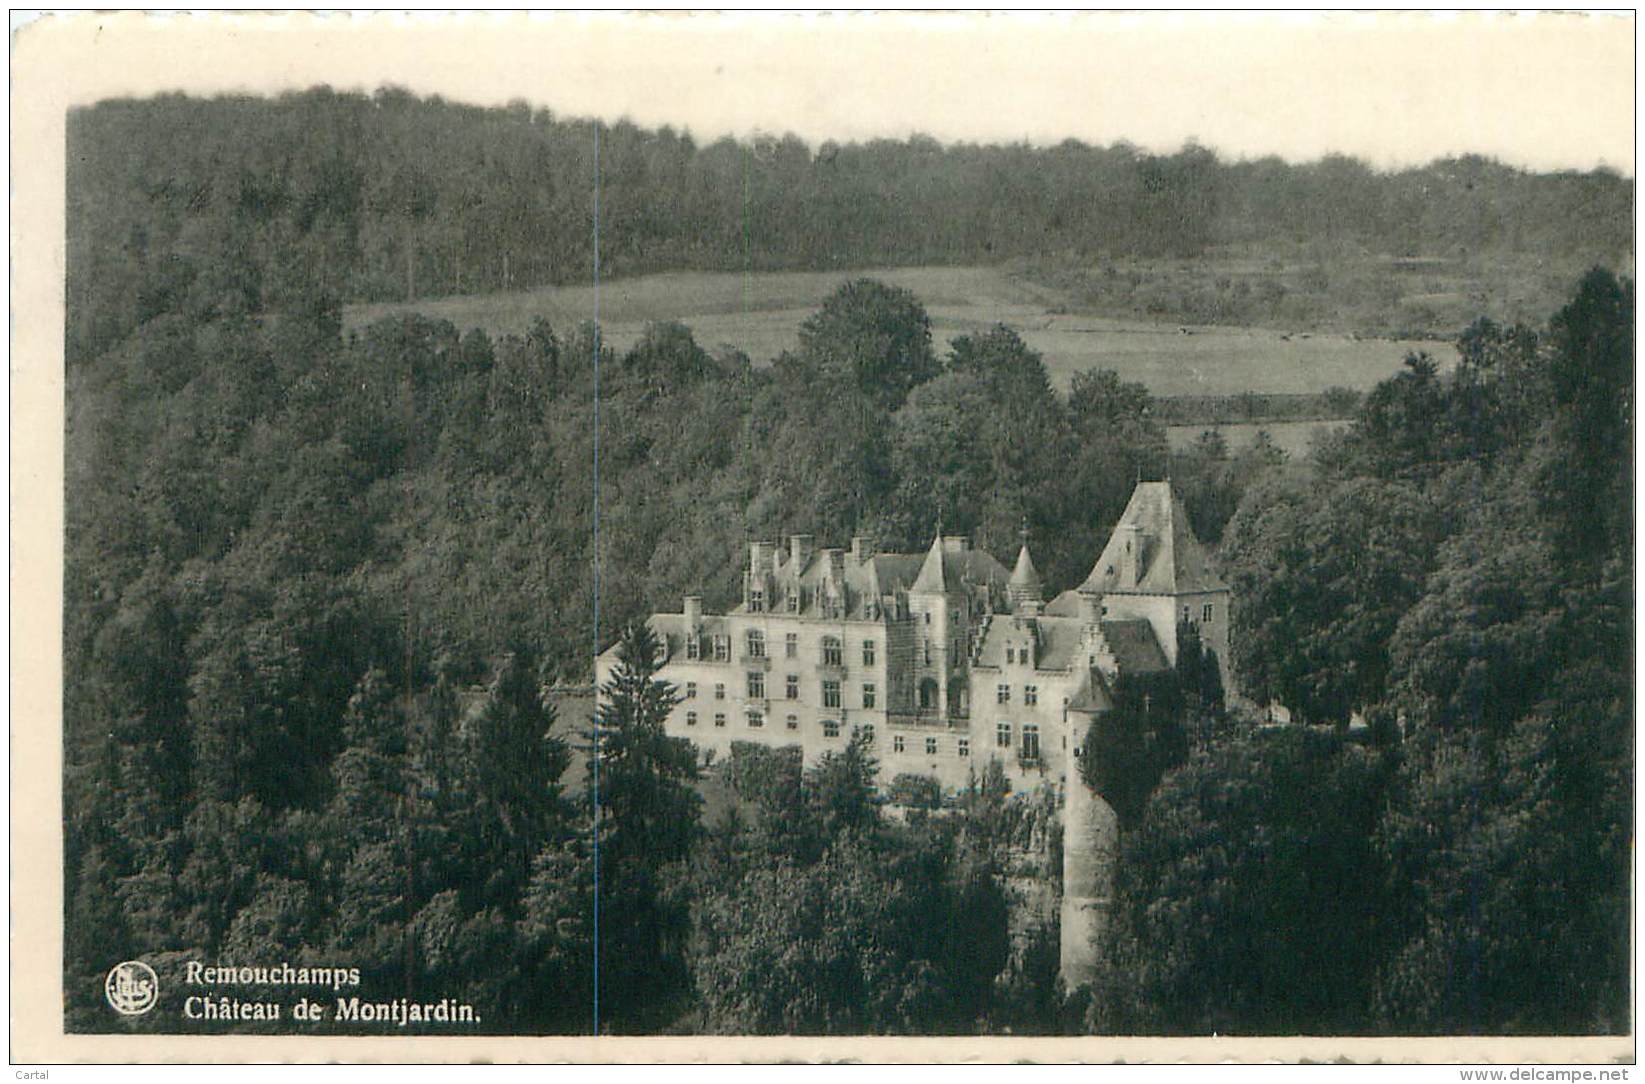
(1027, 593)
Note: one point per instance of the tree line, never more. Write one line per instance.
(247, 204)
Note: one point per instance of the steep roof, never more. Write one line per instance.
(952, 566)
(895, 572)
(1025, 578)
(1061, 643)
(1091, 697)
(933, 577)
(1057, 641)
(1136, 650)
(1171, 560)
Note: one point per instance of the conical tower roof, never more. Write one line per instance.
(933, 578)
(1025, 578)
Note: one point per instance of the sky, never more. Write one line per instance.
(1540, 91)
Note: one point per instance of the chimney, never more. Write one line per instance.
(955, 543)
(862, 547)
(799, 551)
(1131, 539)
(693, 611)
(762, 558)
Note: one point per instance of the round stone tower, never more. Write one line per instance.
(1090, 851)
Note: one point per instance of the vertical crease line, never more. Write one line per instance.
(594, 757)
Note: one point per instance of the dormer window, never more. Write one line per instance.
(722, 649)
(794, 601)
(693, 647)
(756, 601)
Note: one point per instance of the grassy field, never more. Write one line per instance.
(761, 314)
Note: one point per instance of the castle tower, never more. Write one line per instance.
(941, 608)
(1090, 852)
(1154, 568)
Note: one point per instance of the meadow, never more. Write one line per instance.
(760, 314)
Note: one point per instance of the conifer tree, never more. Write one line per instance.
(647, 816)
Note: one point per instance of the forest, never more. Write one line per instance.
(180, 204)
(322, 591)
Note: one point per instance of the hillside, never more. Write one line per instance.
(184, 205)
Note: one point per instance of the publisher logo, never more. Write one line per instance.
(132, 988)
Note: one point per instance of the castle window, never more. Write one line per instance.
(1002, 735)
(1002, 694)
(791, 645)
(930, 747)
(722, 649)
(963, 747)
(719, 718)
(928, 693)
(793, 686)
(928, 618)
(868, 652)
(1030, 694)
(928, 652)
(794, 601)
(756, 644)
(691, 690)
(756, 685)
(719, 690)
(1185, 615)
(896, 743)
(1030, 742)
(868, 694)
(756, 719)
(831, 694)
(831, 728)
(693, 647)
(793, 722)
(756, 602)
(867, 732)
(831, 651)
(690, 718)
(1206, 614)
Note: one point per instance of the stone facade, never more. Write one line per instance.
(945, 661)
(944, 658)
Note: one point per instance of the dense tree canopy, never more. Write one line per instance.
(1459, 569)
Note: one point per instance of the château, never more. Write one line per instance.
(940, 660)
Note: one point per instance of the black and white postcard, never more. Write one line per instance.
(893, 537)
